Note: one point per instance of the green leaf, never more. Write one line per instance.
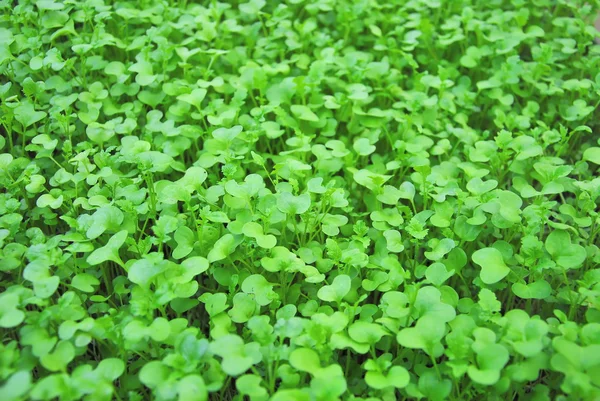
(144, 270)
(394, 241)
(434, 388)
(304, 113)
(369, 179)
(110, 251)
(227, 134)
(290, 204)
(437, 274)
(255, 230)
(537, 290)
(290, 394)
(397, 377)
(192, 267)
(26, 114)
(493, 268)
(222, 248)
(478, 187)
(592, 154)
(185, 239)
(110, 368)
(153, 374)
(10, 315)
(85, 282)
(251, 385)
(17, 385)
(47, 200)
(337, 290)
(491, 359)
(154, 162)
(260, 288)
(440, 249)
(194, 98)
(237, 356)
(252, 7)
(305, 360)
(566, 254)
(192, 388)
(106, 218)
(364, 332)
(426, 334)
(58, 359)
(214, 303)
(363, 147)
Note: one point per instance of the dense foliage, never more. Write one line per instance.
(301, 200)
